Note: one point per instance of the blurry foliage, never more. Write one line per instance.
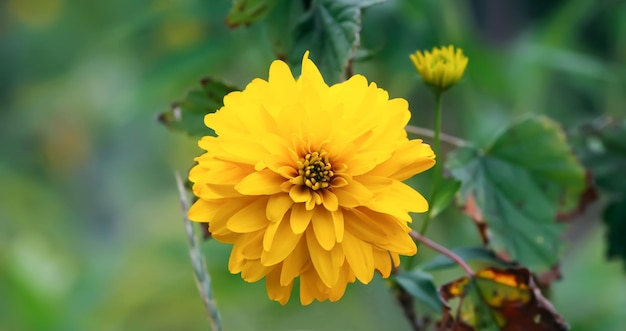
(90, 231)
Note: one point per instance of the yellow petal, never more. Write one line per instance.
(352, 195)
(250, 218)
(322, 260)
(253, 271)
(281, 77)
(294, 264)
(337, 291)
(394, 197)
(310, 74)
(409, 159)
(300, 193)
(364, 228)
(282, 245)
(300, 218)
(263, 182)
(360, 257)
(309, 286)
(275, 290)
(277, 206)
(250, 245)
(236, 260)
(338, 223)
(200, 211)
(382, 262)
(270, 233)
(330, 201)
(324, 228)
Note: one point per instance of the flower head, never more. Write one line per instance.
(304, 179)
(441, 68)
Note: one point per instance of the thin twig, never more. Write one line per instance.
(203, 279)
(435, 246)
(452, 140)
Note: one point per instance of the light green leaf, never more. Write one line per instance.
(518, 185)
(330, 31)
(420, 285)
(188, 115)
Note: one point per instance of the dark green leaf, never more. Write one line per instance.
(420, 285)
(518, 185)
(330, 31)
(246, 12)
(188, 115)
(444, 195)
(615, 220)
(603, 150)
(467, 254)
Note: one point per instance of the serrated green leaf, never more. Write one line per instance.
(188, 115)
(420, 285)
(330, 31)
(445, 195)
(467, 254)
(518, 184)
(246, 12)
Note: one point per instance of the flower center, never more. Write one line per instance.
(316, 170)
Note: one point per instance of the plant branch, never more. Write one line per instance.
(435, 246)
(452, 140)
(203, 279)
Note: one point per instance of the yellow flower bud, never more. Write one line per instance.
(440, 68)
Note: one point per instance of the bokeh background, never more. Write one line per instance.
(91, 236)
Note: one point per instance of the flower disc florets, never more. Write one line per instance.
(315, 170)
(305, 180)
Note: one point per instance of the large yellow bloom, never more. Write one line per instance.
(305, 180)
(440, 68)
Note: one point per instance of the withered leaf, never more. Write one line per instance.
(498, 299)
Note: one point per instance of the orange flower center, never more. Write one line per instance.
(316, 170)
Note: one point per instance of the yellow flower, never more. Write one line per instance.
(305, 180)
(441, 68)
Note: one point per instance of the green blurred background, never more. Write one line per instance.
(91, 236)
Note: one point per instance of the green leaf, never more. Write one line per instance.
(467, 254)
(188, 115)
(604, 152)
(444, 196)
(615, 220)
(285, 16)
(330, 31)
(518, 185)
(246, 12)
(420, 285)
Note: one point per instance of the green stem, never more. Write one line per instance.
(437, 169)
